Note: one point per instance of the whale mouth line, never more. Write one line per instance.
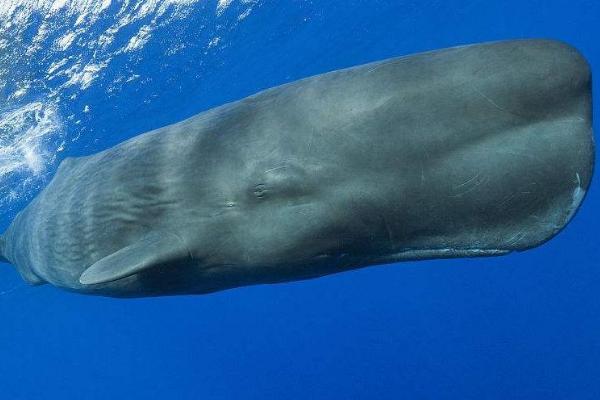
(447, 252)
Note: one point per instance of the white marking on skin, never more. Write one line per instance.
(489, 100)
(577, 196)
(469, 180)
(514, 239)
(469, 185)
(275, 169)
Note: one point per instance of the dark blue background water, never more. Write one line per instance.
(523, 326)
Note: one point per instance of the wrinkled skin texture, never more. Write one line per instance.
(469, 151)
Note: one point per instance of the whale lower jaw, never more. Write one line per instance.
(425, 254)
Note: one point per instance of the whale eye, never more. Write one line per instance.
(260, 190)
(284, 181)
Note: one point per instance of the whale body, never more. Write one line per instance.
(469, 151)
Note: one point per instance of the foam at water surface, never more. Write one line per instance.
(31, 137)
(54, 52)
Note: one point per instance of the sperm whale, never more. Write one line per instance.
(476, 150)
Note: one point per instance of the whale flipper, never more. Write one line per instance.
(152, 250)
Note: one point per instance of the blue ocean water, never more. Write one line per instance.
(78, 76)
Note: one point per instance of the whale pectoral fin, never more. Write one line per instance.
(157, 248)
